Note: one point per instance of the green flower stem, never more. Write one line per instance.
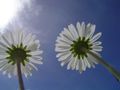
(111, 69)
(21, 84)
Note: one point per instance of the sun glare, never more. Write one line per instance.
(8, 9)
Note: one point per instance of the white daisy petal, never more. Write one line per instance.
(63, 40)
(87, 63)
(91, 30)
(97, 48)
(36, 61)
(67, 60)
(27, 38)
(12, 38)
(2, 47)
(36, 52)
(28, 72)
(77, 65)
(64, 57)
(3, 42)
(6, 39)
(93, 59)
(66, 39)
(91, 62)
(10, 71)
(15, 37)
(73, 31)
(96, 37)
(80, 66)
(69, 65)
(9, 75)
(4, 67)
(15, 70)
(61, 50)
(67, 33)
(31, 41)
(24, 71)
(97, 43)
(62, 45)
(2, 64)
(83, 29)
(22, 36)
(87, 30)
(79, 28)
(2, 57)
(83, 65)
(33, 66)
(74, 64)
(34, 46)
(4, 72)
(62, 54)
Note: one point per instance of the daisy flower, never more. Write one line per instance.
(78, 47)
(19, 52)
(73, 44)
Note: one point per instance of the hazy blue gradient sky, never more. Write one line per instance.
(46, 19)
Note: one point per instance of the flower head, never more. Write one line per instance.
(73, 45)
(19, 46)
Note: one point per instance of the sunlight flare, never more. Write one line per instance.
(9, 10)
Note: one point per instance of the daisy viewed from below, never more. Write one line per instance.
(19, 52)
(79, 48)
(74, 43)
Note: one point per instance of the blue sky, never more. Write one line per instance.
(46, 19)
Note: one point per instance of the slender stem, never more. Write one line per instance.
(111, 69)
(21, 84)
